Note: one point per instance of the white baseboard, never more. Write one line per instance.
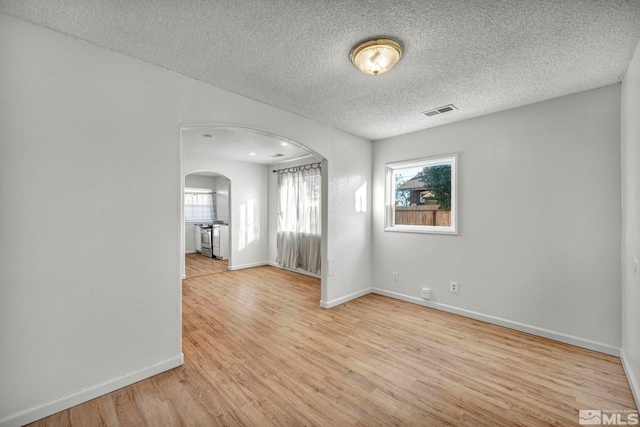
(37, 412)
(346, 298)
(533, 330)
(191, 252)
(299, 271)
(631, 376)
(251, 265)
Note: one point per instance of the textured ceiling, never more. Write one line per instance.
(482, 56)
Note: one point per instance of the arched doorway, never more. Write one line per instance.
(206, 216)
(247, 157)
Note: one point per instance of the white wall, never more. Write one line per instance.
(96, 305)
(539, 235)
(200, 182)
(248, 200)
(631, 224)
(222, 199)
(348, 169)
(89, 253)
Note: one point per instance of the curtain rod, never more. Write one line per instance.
(299, 168)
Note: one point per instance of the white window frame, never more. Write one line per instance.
(390, 201)
(213, 204)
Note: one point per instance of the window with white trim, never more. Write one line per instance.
(421, 195)
(199, 205)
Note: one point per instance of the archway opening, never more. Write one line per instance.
(206, 222)
(247, 158)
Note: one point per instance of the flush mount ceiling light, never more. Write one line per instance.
(376, 56)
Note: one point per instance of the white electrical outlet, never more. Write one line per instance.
(454, 287)
(426, 293)
(395, 276)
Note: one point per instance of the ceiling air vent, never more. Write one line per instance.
(277, 155)
(439, 110)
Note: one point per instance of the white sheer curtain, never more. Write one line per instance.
(299, 218)
(199, 205)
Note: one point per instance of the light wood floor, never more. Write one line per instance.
(259, 351)
(197, 265)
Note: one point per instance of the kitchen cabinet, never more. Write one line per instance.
(220, 241)
(196, 237)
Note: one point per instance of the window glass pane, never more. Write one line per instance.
(300, 203)
(421, 195)
(198, 206)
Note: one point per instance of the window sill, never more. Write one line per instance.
(422, 229)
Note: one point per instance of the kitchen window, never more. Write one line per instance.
(199, 205)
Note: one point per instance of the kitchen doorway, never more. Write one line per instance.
(206, 220)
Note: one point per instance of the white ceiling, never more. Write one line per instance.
(482, 56)
(205, 173)
(237, 144)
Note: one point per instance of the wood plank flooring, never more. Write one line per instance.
(197, 265)
(259, 351)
